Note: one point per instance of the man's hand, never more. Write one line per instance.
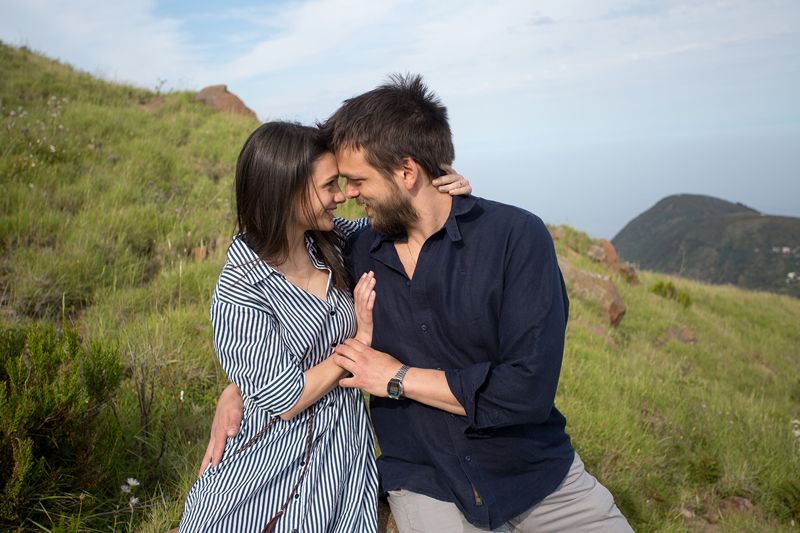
(371, 369)
(227, 419)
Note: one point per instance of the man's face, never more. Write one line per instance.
(389, 209)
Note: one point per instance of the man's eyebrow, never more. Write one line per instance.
(352, 177)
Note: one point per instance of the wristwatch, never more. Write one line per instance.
(395, 386)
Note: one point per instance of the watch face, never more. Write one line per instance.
(394, 389)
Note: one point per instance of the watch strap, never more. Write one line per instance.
(401, 373)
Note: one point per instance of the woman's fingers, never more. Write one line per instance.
(452, 182)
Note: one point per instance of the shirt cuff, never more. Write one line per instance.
(464, 383)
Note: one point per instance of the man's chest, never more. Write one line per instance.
(445, 315)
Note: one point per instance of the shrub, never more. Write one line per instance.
(52, 388)
(669, 291)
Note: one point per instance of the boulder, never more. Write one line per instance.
(595, 287)
(629, 274)
(602, 251)
(218, 97)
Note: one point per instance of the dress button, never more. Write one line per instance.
(333, 312)
(295, 497)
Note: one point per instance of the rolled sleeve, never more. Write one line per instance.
(250, 350)
(519, 385)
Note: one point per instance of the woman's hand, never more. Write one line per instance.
(452, 182)
(364, 301)
(227, 419)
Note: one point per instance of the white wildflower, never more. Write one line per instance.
(125, 488)
(133, 501)
(52, 148)
(181, 394)
(133, 482)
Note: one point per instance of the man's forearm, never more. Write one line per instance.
(429, 386)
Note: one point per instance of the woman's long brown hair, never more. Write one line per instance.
(273, 176)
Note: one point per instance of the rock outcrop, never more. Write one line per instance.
(218, 97)
(604, 252)
(594, 287)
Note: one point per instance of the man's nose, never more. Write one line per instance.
(339, 197)
(350, 191)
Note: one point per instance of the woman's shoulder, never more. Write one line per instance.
(241, 276)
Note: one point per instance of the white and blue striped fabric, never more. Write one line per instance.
(267, 332)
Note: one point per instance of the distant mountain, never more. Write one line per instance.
(717, 241)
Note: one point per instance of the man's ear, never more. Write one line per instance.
(410, 174)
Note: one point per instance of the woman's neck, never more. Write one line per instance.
(297, 260)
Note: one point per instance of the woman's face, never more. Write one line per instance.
(324, 194)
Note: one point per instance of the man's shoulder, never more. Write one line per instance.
(508, 218)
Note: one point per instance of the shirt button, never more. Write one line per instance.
(408, 283)
(424, 327)
(468, 458)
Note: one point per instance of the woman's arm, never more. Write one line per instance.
(316, 382)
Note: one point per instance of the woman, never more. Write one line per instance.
(303, 458)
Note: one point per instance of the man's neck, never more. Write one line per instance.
(433, 209)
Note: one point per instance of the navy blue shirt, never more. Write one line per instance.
(487, 304)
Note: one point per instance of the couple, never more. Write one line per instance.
(462, 361)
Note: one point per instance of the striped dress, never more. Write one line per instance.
(267, 332)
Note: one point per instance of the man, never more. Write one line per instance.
(468, 340)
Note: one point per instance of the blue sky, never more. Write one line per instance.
(584, 112)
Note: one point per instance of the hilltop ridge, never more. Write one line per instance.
(717, 241)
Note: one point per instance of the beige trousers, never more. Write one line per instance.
(579, 504)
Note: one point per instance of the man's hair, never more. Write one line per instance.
(401, 118)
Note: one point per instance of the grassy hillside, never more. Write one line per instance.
(716, 241)
(116, 212)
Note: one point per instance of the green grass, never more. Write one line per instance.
(102, 230)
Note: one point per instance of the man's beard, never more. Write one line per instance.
(393, 215)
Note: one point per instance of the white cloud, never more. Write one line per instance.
(550, 81)
(118, 40)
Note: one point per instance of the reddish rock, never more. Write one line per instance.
(218, 97)
(629, 274)
(594, 287)
(611, 258)
(604, 252)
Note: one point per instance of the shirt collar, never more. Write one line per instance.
(461, 206)
(255, 269)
